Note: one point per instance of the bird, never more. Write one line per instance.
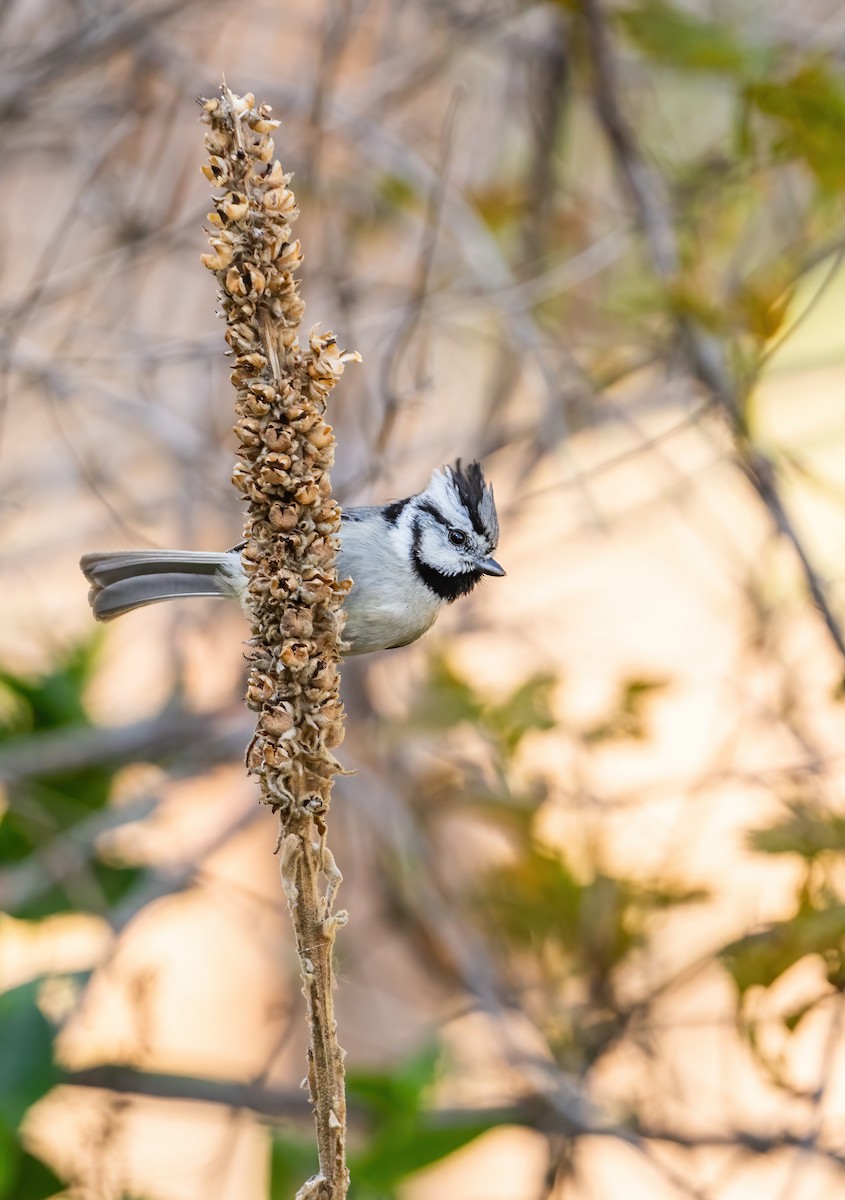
(407, 559)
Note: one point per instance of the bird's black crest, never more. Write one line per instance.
(476, 497)
(470, 484)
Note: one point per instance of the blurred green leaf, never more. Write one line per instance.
(685, 41)
(808, 110)
(499, 205)
(448, 701)
(395, 192)
(806, 831)
(402, 1137)
(759, 959)
(42, 809)
(761, 303)
(22, 1175)
(807, 107)
(567, 929)
(628, 716)
(292, 1161)
(56, 698)
(514, 813)
(34, 1180)
(525, 710)
(534, 898)
(400, 1150)
(27, 1070)
(687, 297)
(397, 1093)
(794, 1018)
(596, 923)
(10, 1152)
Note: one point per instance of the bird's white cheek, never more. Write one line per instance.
(435, 554)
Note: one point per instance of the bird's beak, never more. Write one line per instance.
(489, 566)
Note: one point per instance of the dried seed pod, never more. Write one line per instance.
(236, 207)
(284, 517)
(277, 722)
(279, 200)
(295, 655)
(242, 104)
(218, 141)
(308, 493)
(260, 689)
(276, 438)
(297, 623)
(214, 262)
(248, 431)
(264, 124)
(334, 734)
(216, 170)
(274, 176)
(235, 285)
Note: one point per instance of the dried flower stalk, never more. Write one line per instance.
(292, 523)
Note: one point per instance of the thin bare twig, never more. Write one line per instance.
(402, 336)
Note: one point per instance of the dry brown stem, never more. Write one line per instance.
(287, 449)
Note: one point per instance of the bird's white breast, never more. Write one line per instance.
(388, 605)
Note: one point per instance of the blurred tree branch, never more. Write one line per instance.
(535, 1111)
(66, 855)
(704, 353)
(204, 737)
(105, 31)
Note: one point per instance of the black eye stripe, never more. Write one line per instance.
(425, 507)
(433, 511)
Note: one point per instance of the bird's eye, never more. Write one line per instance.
(457, 537)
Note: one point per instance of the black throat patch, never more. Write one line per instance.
(447, 587)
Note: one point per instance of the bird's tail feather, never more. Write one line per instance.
(123, 580)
